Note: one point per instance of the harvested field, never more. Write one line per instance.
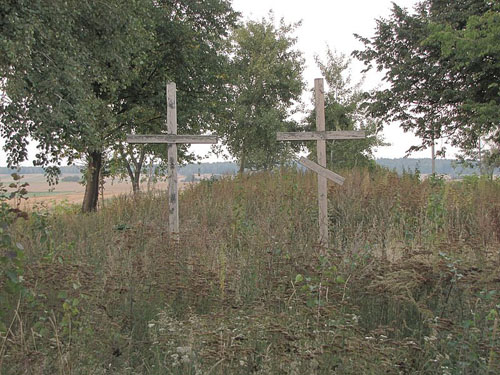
(72, 192)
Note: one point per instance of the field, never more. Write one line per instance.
(410, 284)
(72, 191)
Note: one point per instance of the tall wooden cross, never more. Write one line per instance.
(172, 139)
(321, 135)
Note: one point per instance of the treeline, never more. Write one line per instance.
(189, 169)
(72, 169)
(221, 168)
(449, 167)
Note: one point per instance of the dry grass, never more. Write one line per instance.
(410, 284)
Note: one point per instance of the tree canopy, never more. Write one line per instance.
(442, 70)
(266, 82)
(80, 75)
(344, 111)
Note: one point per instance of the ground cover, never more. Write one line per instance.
(410, 285)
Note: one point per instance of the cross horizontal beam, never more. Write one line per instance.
(322, 171)
(320, 135)
(172, 139)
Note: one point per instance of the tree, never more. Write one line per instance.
(491, 161)
(79, 75)
(344, 111)
(196, 36)
(442, 68)
(485, 158)
(266, 82)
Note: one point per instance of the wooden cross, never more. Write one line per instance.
(172, 139)
(320, 135)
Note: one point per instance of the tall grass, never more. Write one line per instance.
(409, 285)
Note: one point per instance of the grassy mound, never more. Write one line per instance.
(410, 285)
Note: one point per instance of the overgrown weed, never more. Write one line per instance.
(409, 285)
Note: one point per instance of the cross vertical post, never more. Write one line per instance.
(173, 190)
(319, 93)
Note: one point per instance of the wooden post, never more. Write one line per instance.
(173, 191)
(319, 93)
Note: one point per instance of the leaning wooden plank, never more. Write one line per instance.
(322, 171)
(320, 135)
(172, 139)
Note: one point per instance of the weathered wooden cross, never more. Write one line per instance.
(172, 139)
(320, 168)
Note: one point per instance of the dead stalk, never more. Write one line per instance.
(9, 331)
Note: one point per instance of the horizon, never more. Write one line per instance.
(235, 162)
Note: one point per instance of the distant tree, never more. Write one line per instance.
(344, 111)
(80, 75)
(485, 159)
(266, 83)
(491, 161)
(442, 69)
(75, 178)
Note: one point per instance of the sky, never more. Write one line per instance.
(327, 23)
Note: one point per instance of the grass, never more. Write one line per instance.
(410, 284)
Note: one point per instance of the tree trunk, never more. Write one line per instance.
(135, 186)
(131, 175)
(242, 163)
(92, 187)
(150, 173)
(135, 173)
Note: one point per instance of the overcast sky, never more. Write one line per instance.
(331, 23)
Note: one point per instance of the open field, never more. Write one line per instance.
(72, 192)
(410, 284)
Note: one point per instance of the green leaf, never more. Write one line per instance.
(62, 295)
(311, 303)
(340, 280)
(13, 276)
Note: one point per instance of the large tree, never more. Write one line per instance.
(79, 75)
(266, 83)
(442, 70)
(344, 110)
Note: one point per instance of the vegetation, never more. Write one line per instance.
(39, 170)
(77, 76)
(344, 110)
(72, 178)
(441, 63)
(410, 284)
(265, 85)
(450, 167)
